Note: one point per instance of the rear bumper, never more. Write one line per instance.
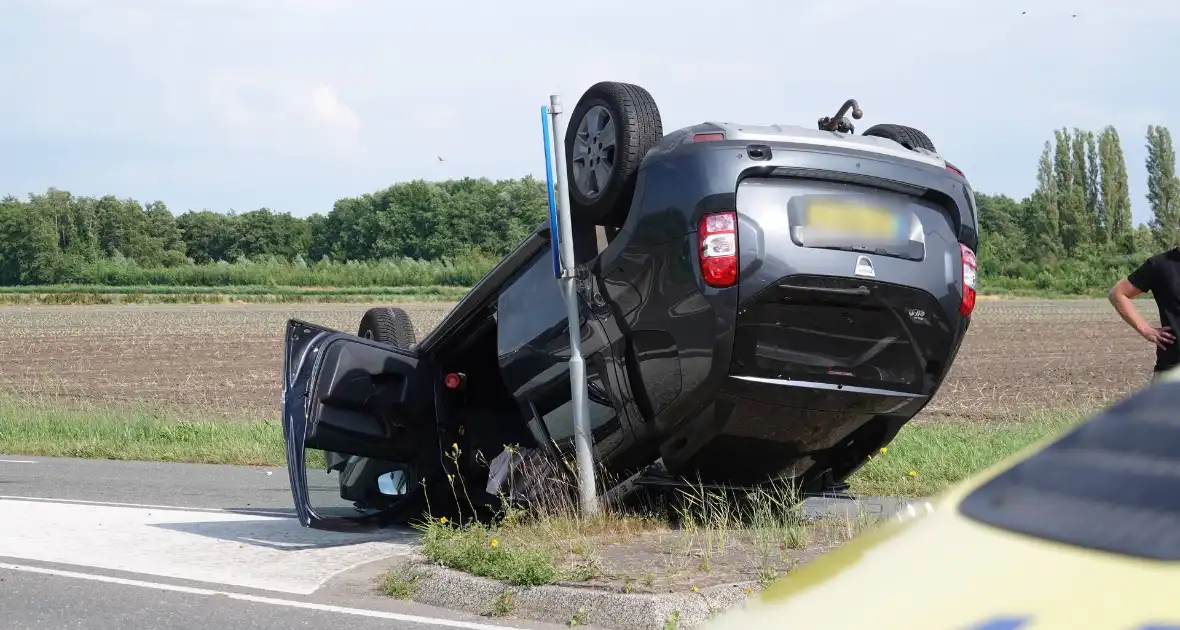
(823, 372)
(842, 335)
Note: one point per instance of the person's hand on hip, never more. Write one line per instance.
(1160, 337)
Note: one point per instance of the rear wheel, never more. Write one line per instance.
(907, 137)
(610, 130)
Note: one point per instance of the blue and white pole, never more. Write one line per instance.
(554, 233)
(561, 236)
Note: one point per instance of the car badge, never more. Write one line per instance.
(864, 267)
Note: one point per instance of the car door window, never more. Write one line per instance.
(556, 409)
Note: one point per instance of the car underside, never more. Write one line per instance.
(757, 304)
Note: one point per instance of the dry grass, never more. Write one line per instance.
(707, 539)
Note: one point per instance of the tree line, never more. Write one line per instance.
(1073, 233)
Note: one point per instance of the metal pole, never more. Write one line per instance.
(587, 487)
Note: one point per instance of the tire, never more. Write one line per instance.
(907, 137)
(388, 325)
(637, 127)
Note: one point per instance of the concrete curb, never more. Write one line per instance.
(446, 588)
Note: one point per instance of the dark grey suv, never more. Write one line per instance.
(758, 303)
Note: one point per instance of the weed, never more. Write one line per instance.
(579, 618)
(502, 605)
(469, 548)
(400, 585)
(673, 620)
(766, 575)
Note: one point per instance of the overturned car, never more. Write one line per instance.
(757, 303)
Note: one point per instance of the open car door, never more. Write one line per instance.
(358, 427)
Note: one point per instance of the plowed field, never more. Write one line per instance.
(226, 359)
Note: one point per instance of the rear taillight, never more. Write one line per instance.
(718, 249)
(708, 137)
(970, 274)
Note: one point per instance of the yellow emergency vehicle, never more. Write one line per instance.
(1080, 532)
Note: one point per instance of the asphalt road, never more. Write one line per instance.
(106, 544)
(103, 544)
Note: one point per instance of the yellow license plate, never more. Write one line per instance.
(849, 218)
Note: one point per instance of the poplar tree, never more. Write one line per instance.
(1094, 206)
(1163, 189)
(1114, 191)
(1070, 198)
(1047, 219)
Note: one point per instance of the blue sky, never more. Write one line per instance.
(292, 104)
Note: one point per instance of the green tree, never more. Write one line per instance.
(1047, 226)
(1094, 206)
(207, 235)
(261, 233)
(1087, 220)
(1070, 196)
(1163, 189)
(1115, 193)
(30, 252)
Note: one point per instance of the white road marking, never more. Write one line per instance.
(270, 553)
(360, 612)
(17, 461)
(151, 506)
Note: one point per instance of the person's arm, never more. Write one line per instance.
(1121, 294)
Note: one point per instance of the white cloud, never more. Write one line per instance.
(284, 116)
(333, 119)
(293, 88)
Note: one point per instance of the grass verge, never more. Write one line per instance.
(31, 427)
(939, 454)
(925, 458)
(717, 538)
(701, 538)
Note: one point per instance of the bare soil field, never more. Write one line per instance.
(225, 360)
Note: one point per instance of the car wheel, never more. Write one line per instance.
(388, 325)
(907, 137)
(610, 130)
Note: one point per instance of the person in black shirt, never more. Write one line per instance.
(1159, 275)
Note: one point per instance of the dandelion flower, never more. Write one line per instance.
(912, 473)
(455, 445)
(443, 520)
(495, 542)
(884, 450)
